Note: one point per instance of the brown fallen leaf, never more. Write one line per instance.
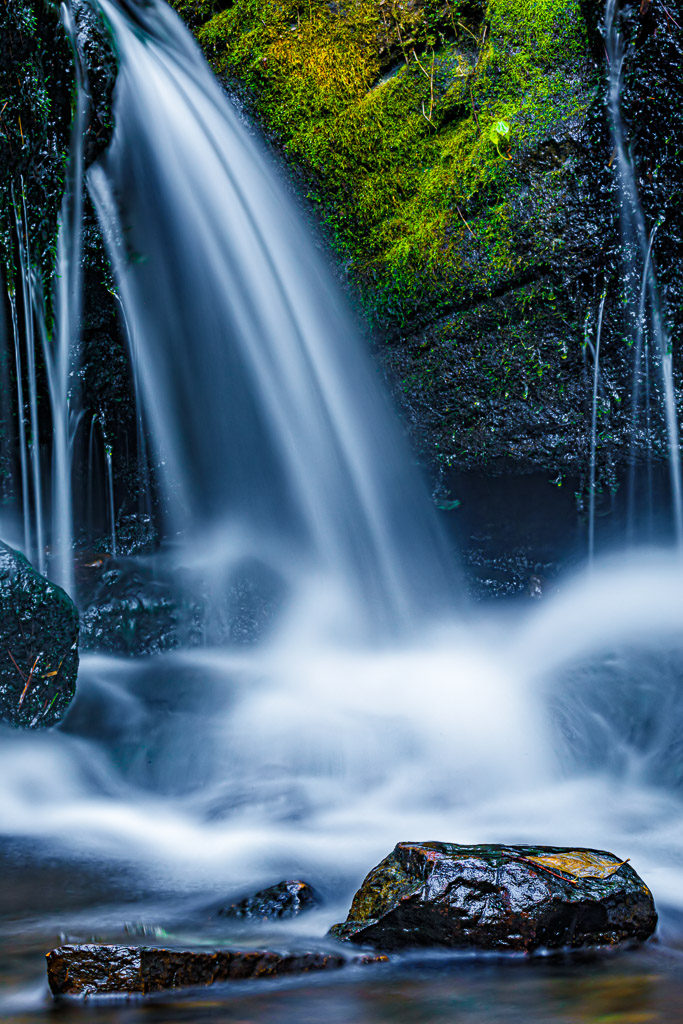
(579, 864)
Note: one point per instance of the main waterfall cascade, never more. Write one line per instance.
(375, 711)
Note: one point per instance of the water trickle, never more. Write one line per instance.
(640, 283)
(594, 428)
(62, 356)
(110, 497)
(21, 422)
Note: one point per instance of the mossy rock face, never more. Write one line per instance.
(415, 122)
(38, 645)
(516, 898)
(460, 160)
(38, 81)
(37, 85)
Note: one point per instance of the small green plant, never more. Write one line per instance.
(498, 131)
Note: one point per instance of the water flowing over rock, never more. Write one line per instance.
(286, 899)
(91, 970)
(499, 898)
(38, 645)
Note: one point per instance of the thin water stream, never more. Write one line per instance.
(379, 707)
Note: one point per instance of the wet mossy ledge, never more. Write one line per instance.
(443, 146)
(458, 155)
(412, 120)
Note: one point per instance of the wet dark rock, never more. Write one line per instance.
(38, 645)
(286, 899)
(130, 613)
(495, 898)
(93, 969)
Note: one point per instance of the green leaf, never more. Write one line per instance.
(502, 127)
(493, 135)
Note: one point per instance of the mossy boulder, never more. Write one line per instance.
(516, 898)
(38, 645)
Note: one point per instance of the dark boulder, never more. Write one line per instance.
(493, 897)
(286, 899)
(92, 970)
(132, 614)
(38, 645)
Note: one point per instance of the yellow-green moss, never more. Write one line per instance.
(388, 107)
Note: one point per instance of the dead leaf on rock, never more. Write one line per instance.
(579, 864)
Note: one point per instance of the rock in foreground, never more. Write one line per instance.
(493, 897)
(94, 969)
(286, 899)
(38, 645)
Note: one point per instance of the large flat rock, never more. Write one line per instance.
(498, 898)
(140, 970)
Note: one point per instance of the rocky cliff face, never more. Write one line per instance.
(38, 83)
(461, 161)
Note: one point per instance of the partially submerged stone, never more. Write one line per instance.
(286, 899)
(38, 645)
(498, 897)
(139, 970)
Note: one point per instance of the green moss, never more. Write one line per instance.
(388, 106)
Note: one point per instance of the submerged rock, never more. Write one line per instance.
(286, 899)
(38, 645)
(496, 897)
(93, 969)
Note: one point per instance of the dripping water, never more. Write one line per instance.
(594, 429)
(637, 253)
(23, 444)
(110, 496)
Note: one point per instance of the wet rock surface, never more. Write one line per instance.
(498, 898)
(94, 969)
(130, 613)
(38, 645)
(286, 899)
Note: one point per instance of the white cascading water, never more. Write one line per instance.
(313, 752)
(273, 434)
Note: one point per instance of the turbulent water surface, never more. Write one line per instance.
(378, 707)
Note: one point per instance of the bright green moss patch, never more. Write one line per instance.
(388, 106)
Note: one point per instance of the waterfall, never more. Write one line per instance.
(637, 254)
(204, 770)
(274, 439)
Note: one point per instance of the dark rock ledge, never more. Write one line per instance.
(138, 970)
(517, 898)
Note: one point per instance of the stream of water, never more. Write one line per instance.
(380, 707)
